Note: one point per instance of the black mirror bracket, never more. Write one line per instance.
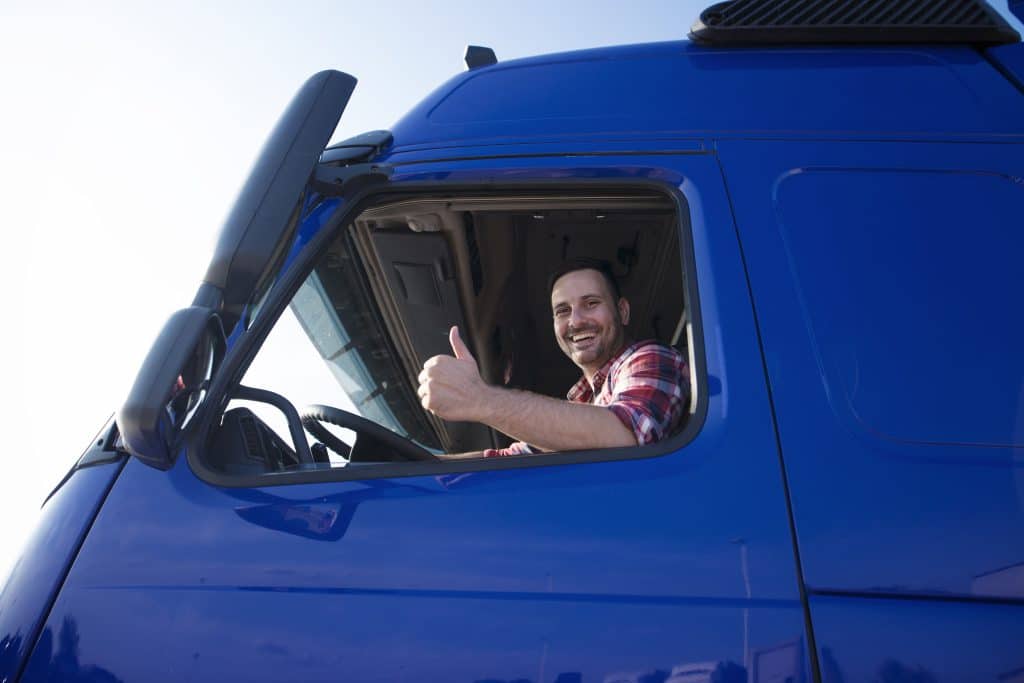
(209, 296)
(334, 181)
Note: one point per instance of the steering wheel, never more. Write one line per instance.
(313, 415)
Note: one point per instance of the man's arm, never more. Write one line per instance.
(451, 388)
(551, 424)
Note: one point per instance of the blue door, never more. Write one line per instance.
(670, 563)
(887, 283)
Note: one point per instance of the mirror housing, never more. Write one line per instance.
(257, 231)
(178, 362)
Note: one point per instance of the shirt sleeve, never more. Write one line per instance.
(517, 448)
(651, 392)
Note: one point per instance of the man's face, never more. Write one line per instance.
(589, 322)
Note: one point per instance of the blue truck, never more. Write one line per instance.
(818, 202)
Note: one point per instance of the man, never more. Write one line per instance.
(631, 393)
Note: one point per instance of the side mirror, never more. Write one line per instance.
(169, 384)
(260, 226)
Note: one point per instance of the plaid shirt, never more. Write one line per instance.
(647, 386)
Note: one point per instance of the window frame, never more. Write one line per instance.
(239, 358)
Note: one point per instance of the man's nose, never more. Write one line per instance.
(575, 315)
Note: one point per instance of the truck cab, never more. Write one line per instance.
(818, 209)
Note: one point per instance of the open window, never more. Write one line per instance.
(385, 291)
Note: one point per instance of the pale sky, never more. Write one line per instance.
(125, 131)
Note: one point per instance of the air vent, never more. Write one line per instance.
(251, 435)
(778, 22)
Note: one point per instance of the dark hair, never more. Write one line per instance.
(575, 264)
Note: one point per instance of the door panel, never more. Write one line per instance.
(887, 286)
(886, 280)
(600, 571)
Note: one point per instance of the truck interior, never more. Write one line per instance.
(384, 294)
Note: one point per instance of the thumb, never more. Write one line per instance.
(459, 346)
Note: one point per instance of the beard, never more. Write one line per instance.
(592, 346)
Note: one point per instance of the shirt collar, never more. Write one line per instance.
(582, 391)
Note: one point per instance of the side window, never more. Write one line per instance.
(383, 296)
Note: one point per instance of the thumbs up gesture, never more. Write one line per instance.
(451, 386)
(459, 347)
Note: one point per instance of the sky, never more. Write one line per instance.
(126, 130)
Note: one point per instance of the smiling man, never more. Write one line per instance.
(631, 393)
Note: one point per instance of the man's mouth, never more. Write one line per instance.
(582, 338)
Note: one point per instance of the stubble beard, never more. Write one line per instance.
(593, 358)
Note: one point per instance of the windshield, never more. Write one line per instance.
(333, 310)
(337, 355)
(319, 320)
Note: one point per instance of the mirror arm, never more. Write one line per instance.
(209, 296)
(281, 403)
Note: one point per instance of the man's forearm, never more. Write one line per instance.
(451, 388)
(551, 424)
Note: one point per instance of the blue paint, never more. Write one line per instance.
(563, 555)
(674, 88)
(317, 211)
(37, 576)
(917, 640)
(1009, 58)
(886, 283)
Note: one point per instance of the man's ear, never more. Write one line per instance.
(624, 310)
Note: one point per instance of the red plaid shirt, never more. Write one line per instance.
(647, 386)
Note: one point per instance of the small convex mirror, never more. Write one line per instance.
(170, 384)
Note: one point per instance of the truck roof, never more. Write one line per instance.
(684, 89)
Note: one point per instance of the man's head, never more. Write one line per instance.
(589, 313)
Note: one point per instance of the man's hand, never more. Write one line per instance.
(452, 388)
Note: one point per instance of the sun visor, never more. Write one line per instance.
(421, 275)
(420, 272)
